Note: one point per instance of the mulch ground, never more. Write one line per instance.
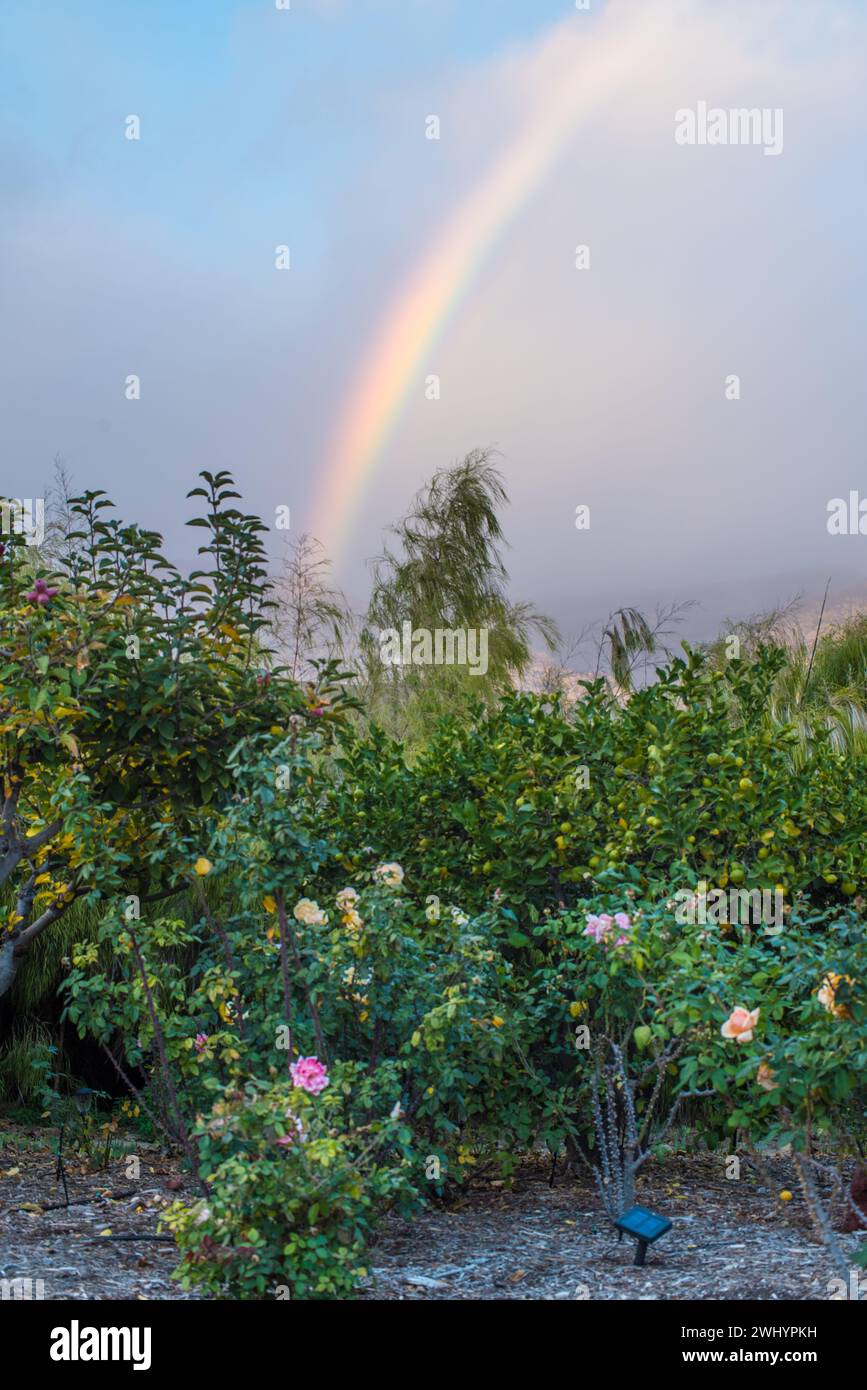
(730, 1240)
(75, 1249)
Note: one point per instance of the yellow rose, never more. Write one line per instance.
(827, 995)
(310, 913)
(391, 874)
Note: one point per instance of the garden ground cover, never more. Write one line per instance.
(41, 1238)
(540, 1242)
(533, 1241)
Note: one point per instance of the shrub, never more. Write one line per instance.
(689, 780)
(294, 1188)
(547, 994)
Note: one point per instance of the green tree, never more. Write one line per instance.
(124, 686)
(447, 573)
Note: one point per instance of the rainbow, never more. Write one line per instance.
(580, 79)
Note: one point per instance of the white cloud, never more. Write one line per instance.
(606, 386)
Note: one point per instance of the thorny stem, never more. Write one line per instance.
(287, 984)
(832, 1173)
(227, 949)
(158, 1123)
(819, 1216)
(181, 1133)
(287, 933)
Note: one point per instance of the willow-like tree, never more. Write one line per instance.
(443, 569)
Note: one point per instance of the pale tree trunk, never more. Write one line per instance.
(14, 851)
(12, 951)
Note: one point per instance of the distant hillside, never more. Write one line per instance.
(708, 608)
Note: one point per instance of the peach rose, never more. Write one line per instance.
(740, 1024)
(765, 1077)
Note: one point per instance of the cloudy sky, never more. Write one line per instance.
(452, 257)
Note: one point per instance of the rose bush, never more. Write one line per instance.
(294, 1187)
(454, 1039)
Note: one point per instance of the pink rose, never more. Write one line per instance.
(308, 1074)
(40, 593)
(602, 928)
(595, 927)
